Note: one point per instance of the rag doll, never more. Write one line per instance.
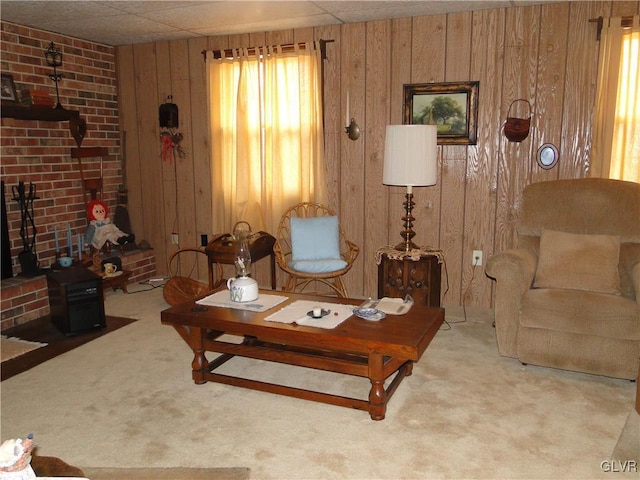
(101, 229)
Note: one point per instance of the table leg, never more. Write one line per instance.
(195, 339)
(377, 394)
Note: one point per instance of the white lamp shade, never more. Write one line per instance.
(410, 155)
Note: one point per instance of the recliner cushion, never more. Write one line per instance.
(578, 262)
(586, 313)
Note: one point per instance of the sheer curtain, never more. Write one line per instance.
(267, 138)
(616, 138)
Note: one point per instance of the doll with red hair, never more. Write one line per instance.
(101, 229)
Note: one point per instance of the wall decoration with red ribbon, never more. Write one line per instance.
(169, 119)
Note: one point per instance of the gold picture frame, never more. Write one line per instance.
(451, 106)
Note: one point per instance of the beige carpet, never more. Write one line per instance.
(11, 347)
(167, 473)
(628, 446)
(127, 400)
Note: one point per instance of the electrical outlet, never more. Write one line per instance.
(476, 259)
(174, 238)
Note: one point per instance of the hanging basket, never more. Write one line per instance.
(517, 129)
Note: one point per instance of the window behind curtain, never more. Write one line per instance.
(616, 139)
(267, 138)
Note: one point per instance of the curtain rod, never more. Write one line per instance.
(289, 47)
(627, 22)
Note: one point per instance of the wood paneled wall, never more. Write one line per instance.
(546, 54)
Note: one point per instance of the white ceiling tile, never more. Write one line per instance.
(115, 22)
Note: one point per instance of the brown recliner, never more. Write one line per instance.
(568, 295)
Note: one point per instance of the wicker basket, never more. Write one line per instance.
(180, 289)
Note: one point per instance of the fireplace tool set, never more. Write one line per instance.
(27, 258)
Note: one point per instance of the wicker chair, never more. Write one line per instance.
(181, 287)
(288, 259)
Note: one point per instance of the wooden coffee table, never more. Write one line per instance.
(374, 350)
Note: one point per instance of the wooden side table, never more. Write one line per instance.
(223, 250)
(117, 281)
(416, 273)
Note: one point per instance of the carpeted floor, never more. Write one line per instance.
(127, 400)
(167, 473)
(55, 343)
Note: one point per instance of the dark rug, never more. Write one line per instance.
(54, 467)
(42, 330)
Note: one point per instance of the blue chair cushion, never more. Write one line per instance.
(318, 266)
(315, 238)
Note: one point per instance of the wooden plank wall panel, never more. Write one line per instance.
(151, 184)
(184, 166)
(487, 64)
(351, 200)
(519, 78)
(401, 55)
(546, 122)
(427, 65)
(129, 135)
(334, 115)
(505, 214)
(334, 112)
(198, 147)
(620, 9)
(545, 53)
(581, 71)
(454, 161)
(165, 164)
(378, 72)
(278, 37)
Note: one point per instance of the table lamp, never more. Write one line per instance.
(410, 160)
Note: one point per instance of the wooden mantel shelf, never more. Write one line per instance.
(47, 114)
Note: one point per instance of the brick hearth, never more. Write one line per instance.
(25, 299)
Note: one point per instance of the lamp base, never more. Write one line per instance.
(406, 246)
(407, 234)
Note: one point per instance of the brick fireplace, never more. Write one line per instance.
(38, 152)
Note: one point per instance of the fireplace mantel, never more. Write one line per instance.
(35, 112)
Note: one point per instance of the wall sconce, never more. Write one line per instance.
(410, 160)
(53, 56)
(351, 129)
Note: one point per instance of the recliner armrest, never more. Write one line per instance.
(517, 265)
(513, 271)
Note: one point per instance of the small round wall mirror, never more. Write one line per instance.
(547, 156)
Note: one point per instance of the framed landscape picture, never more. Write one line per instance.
(451, 106)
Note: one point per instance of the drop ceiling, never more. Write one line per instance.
(129, 22)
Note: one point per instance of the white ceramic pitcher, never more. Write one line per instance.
(242, 289)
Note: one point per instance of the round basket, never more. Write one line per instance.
(179, 290)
